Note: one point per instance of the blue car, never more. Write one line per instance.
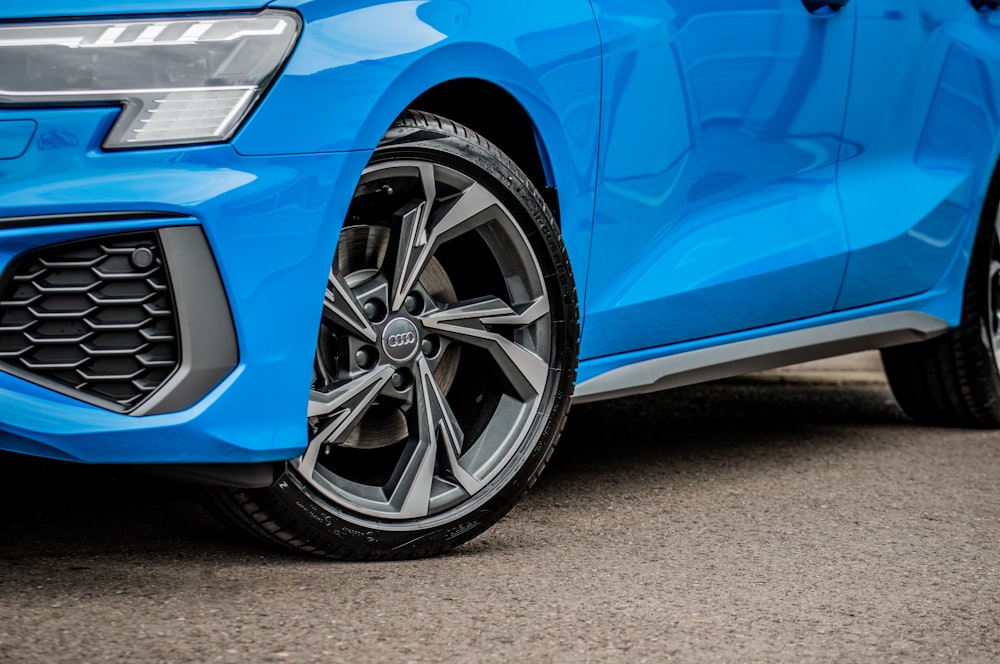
(348, 263)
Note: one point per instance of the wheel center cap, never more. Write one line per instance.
(400, 339)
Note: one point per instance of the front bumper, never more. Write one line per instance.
(271, 225)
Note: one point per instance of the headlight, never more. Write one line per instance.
(180, 80)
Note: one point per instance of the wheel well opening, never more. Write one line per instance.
(492, 112)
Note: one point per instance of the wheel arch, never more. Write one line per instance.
(553, 136)
(548, 127)
(493, 112)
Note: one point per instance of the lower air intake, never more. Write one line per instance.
(93, 318)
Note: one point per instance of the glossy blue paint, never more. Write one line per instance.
(360, 64)
(15, 136)
(85, 8)
(717, 207)
(726, 170)
(920, 143)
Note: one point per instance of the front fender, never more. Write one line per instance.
(359, 64)
(354, 71)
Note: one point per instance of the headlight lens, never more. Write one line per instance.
(181, 80)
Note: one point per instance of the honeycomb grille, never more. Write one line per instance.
(93, 316)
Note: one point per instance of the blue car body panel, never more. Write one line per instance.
(730, 220)
(919, 146)
(727, 171)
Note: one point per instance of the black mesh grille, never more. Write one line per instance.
(95, 316)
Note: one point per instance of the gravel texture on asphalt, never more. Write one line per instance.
(742, 521)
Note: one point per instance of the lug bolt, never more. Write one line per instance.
(401, 379)
(430, 345)
(413, 304)
(366, 357)
(374, 310)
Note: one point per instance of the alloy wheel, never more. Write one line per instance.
(434, 348)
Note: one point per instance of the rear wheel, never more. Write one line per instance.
(954, 380)
(445, 359)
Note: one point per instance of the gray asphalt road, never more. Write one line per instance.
(755, 521)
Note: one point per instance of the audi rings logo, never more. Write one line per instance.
(400, 340)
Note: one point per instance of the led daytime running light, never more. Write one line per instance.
(179, 80)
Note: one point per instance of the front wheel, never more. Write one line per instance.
(445, 358)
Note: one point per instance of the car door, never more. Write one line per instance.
(920, 135)
(716, 204)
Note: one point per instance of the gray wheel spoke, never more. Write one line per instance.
(416, 235)
(342, 307)
(412, 493)
(344, 407)
(439, 424)
(438, 430)
(409, 242)
(437, 421)
(473, 207)
(467, 322)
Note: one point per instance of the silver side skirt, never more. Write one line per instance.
(742, 357)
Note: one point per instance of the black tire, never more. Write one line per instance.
(446, 359)
(954, 379)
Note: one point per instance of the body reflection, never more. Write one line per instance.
(722, 131)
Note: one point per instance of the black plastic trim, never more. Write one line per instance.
(759, 354)
(84, 218)
(235, 475)
(61, 388)
(209, 350)
(39, 375)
